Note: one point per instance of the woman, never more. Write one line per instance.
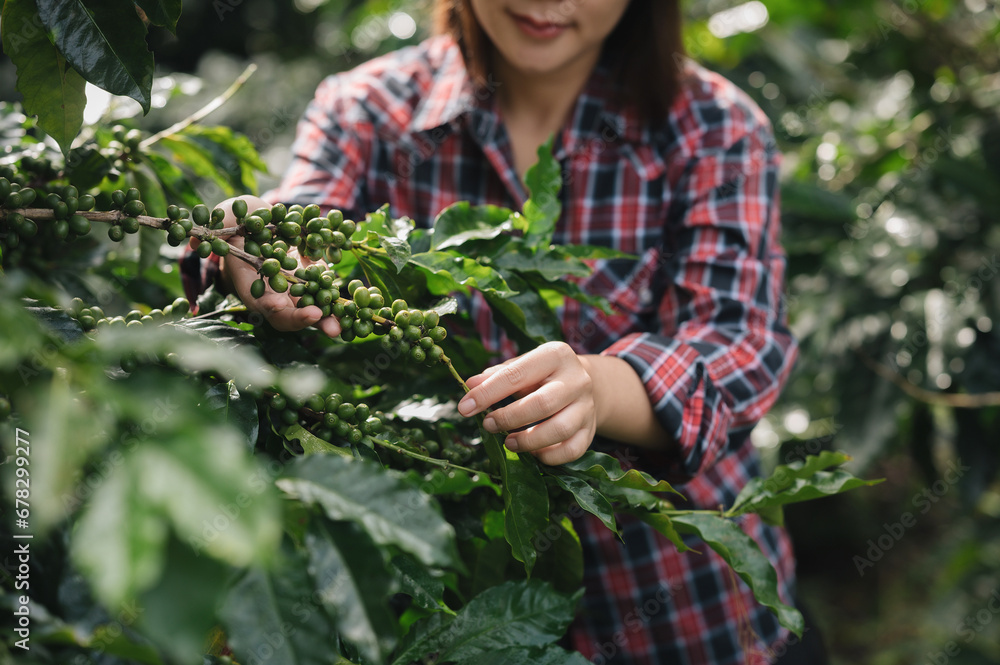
(660, 159)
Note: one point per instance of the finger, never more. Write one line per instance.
(560, 427)
(549, 399)
(525, 371)
(330, 326)
(474, 381)
(564, 452)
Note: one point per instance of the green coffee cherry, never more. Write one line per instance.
(240, 208)
(220, 247)
(279, 283)
(130, 224)
(201, 215)
(257, 288)
(133, 208)
(270, 267)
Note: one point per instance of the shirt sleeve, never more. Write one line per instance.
(722, 352)
(329, 153)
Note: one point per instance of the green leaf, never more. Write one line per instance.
(311, 444)
(795, 482)
(421, 639)
(560, 557)
(525, 498)
(162, 12)
(259, 609)
(349, 572)
(605, 467)
(553, 264)
(450, 271)
(547, 655)
(73, 429)
(51, 89)
(105, 42)
(450, 482)
(391, 510)
(416, 581)
(525, 316)
(172, 179)
(543, 207)
(665, 526)
(119, 540)
(514, 614)
(236, 409)
(397, 249)
(461, 222)
(204, 477)
(197, 159)
(189, 581)
(589, 499)
(741, 552)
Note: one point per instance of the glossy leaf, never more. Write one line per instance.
(449, 271)
(198, 160)
(589, 499)
(547, 655)
(351, 582)
(416, 581)
(605, 467)
(525, 498)
(665, 525)
(51, 89)
(311, 444)
(744, 556)
(553, 264)
(172, 179)
(105, 42)
(543, 207)
(162, 12)
(462, 221)
(193, 582)
(795, 482)
(390, 509)
(238, 410)
(513, 614)
(119, 540)
(527, 613)
(263, 604)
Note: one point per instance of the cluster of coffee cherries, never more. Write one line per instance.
(22, 232)
(329, 417)
(93, 317)
(272, 232)
(132, 207)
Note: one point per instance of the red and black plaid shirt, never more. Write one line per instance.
(699, 314)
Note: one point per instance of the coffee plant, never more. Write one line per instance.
(201, 486)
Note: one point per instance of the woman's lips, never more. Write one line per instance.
(538, 29)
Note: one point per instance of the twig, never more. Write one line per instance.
(954, 400)
(204, 111)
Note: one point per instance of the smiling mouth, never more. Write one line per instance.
(538, 29)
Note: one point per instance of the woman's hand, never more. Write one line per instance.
(278, 308)
(563, 400)
(555, 404)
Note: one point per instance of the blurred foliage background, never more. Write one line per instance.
(889, 117)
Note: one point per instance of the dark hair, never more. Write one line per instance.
(645, 49)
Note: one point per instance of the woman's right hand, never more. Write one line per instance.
(278, 308)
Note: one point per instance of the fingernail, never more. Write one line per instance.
(467, 406)
(511, 444)
(490, 424)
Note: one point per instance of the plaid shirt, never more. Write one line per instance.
(698, 315)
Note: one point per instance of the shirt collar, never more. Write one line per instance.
(597, 116)
(451, 94)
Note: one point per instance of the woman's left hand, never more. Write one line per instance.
(555, 396)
